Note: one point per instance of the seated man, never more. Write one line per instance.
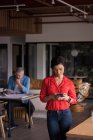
(20, 83)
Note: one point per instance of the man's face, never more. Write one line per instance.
(19, 75)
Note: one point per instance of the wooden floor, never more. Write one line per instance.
(39, 128)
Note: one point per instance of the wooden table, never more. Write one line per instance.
(83, 130)
(20, 97)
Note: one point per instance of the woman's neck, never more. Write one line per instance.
(59, 79)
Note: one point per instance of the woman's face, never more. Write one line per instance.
(58, 70)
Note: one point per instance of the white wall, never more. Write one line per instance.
(63, 32)
(41, 61)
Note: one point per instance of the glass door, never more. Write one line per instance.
(3, 65)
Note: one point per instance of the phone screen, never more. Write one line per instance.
(60, 95)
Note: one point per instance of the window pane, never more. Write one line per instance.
(3, 65)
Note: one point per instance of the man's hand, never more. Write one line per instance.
(18, 82)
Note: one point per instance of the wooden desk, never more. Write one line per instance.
(83, 130)
(21, 97)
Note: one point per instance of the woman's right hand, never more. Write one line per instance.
(50, 97)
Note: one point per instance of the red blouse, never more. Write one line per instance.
(50, 86)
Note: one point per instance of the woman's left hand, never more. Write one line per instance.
(65, 97)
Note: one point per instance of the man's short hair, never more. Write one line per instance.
(19, 69)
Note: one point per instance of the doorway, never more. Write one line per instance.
(3, 65)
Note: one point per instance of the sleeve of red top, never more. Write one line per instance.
(72, 94)
(43, 92)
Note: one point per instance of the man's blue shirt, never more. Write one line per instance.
(25, 81)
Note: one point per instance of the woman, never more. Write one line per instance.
(58, 92)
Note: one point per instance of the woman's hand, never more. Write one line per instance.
(50, 97)
(55, 97)
(65, 97)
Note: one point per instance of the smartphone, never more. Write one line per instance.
(60, 95)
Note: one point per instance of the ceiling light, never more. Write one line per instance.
(17, 8)
(11, 6)
(53, 1)
(85, 16)
(71, 9)
(71, 6)
(74, 52)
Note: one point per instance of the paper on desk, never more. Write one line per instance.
(16, 96)
(10, 94)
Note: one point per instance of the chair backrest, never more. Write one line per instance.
(83, 92)
(82, 89)
(78, 84)
(2, 108)
(36, 83)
